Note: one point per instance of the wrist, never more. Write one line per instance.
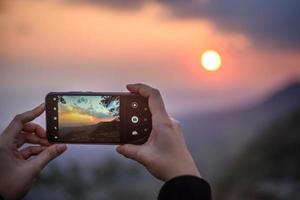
(183, 167)
(10, 194)
(4, 196)
(183, 172)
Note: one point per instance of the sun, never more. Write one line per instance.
(211, 60)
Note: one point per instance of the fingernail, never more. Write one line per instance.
(61, 148)
(41, 105)
(119, 148)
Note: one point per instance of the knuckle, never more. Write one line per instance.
(51, 154)
(155, 92)
(18, 118)
(26, 154)
(140, 157)
(170, 124)
(2, 149)
(30, 151)
(167, 124)
(37, 168)
(177, 124)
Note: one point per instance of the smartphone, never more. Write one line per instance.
(97, 118)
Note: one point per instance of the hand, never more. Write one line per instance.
(17, 171)
(165, 154)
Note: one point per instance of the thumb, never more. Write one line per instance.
(129, 151)
(49, 154)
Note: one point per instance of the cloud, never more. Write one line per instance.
(269, 23)
(115, 4)
(3, 6)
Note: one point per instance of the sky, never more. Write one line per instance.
(85, 110)
(102, 45)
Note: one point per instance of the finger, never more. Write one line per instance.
(30, 138)
(31, 127)
(16, 124)
(27, 152)
(35, 139)
(48, 154)
(129, 151)
(156, 103)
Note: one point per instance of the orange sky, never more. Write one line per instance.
(76, 119)
(74, 113)
(55, 46)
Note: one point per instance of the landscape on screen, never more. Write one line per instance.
(89, 119)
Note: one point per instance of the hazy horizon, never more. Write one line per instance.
(97, 46)
(48, 46)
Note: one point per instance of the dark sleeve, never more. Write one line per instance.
(185, 187)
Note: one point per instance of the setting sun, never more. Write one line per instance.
(211, 60)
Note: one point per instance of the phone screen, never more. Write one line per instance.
(89, 118)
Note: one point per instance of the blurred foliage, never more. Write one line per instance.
(109, 180)
(269, 167)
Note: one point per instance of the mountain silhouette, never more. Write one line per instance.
(100, 132)
(216, 139)
(268, 168)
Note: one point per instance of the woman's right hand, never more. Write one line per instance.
(165, 154)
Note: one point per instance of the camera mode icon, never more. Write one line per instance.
(134, 119)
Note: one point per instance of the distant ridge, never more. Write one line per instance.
(271, 159)
(289, 93)
(220, 136)
(100, 132)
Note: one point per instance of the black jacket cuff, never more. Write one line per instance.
(185, 187)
